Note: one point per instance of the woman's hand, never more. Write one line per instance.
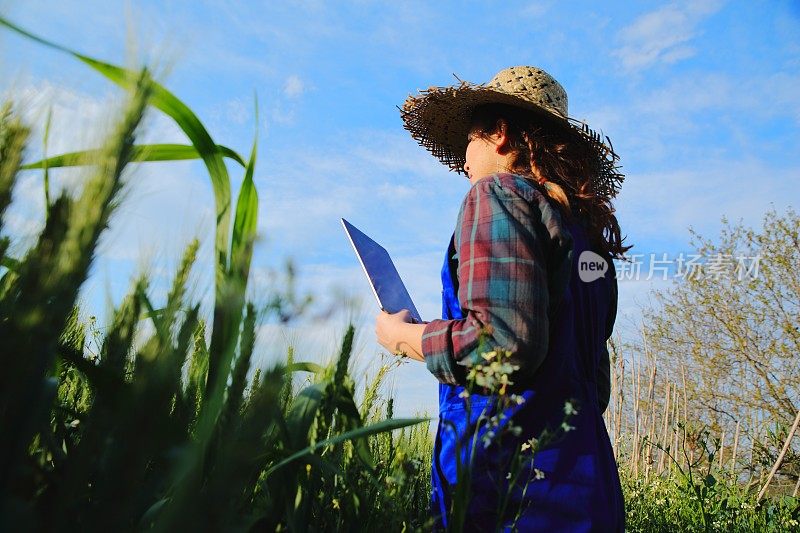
(387, 328)
(399, 335)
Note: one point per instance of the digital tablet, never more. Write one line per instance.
(381, 273)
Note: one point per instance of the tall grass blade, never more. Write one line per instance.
(235, 394)
(244, 225)
(305, 408)
(141, 153)
(351, 418)
(228, 308)
(372, 429)
(305, 367)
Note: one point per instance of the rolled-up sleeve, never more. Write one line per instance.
(501, 241)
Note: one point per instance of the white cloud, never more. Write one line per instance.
(660, 205)
(394, 192)
(663, 35)
(235, 111)
(683, 98)
(361, 176)
(535, 9)
(279, 113)
(698, 136)
(293, 87)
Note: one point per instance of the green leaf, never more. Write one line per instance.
(305, 367)
(231, 289)
(372, 429)
(151, 312)
(142, 153)
(304, 410)
(235, 396)
(349, 411)
(244, 225)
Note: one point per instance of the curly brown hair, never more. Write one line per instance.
(562, 163)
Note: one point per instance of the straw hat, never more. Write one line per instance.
(439, 118)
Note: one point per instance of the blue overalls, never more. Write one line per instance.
(572, 484)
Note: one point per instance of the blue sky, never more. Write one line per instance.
(700, 99)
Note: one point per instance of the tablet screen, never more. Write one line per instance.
(386, 284)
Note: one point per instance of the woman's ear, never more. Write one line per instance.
(500, 137)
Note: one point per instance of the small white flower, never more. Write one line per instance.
(569, 409)
(538, 474)
(464, 394)
(530, 443)
(566, 427)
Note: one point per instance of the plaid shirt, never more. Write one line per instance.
(514, 262)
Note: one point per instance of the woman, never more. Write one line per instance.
(538, 211)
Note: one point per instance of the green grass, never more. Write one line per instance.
(128, 440)
(713, 503)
